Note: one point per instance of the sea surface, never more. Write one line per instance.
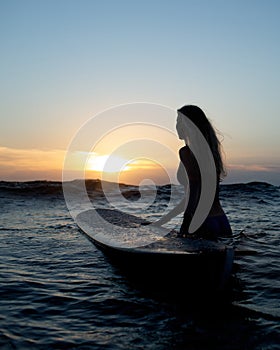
(58, 291)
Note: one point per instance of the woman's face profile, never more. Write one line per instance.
(184, 131)
(180, 127)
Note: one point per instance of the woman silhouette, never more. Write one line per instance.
(189, 175)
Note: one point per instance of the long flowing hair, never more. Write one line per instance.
(197, 116)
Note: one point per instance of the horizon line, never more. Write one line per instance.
(127, 184)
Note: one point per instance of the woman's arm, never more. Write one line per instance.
(194, 179)
(180, 207)
(194, 176)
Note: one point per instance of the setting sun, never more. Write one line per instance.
(116, 168)
(107, 163)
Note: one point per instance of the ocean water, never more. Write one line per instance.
(58, 291)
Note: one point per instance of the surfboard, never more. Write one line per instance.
(153, 254)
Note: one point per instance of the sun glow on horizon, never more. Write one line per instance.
(120, 169)
(36, 164)
(106, 163)
(116, 164)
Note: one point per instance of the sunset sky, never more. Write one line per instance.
(63, 62)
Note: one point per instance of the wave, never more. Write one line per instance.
(31, 187)
(251, 186)
(95, 188)
(55, 188)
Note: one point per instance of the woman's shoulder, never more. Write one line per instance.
(185, 152)
(189, 162)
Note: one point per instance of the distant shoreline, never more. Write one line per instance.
(97, 184)
(98, 181)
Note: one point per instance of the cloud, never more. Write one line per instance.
(253, 172)
(18, 164)
(254, 167)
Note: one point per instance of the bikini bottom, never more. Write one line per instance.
(214, 227)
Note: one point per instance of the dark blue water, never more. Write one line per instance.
(58, 291)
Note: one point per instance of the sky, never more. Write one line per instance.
(63, 62)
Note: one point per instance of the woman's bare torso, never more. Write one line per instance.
(182, 177)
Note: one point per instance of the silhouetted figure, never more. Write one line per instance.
(216, 223)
